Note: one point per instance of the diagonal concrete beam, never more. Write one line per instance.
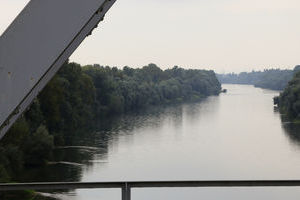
(36, 44)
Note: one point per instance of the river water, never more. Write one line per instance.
(237, 135)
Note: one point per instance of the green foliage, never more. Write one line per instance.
(38, 147)
(77, 95)
(68, 102)
(289, 99)
(34, 115)
(17, 133)
(11, 155)
(4, 176)
(15, 195)
(274, 79)
(119, 91)
(26, 194)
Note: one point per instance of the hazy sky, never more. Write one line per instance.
(224, 35)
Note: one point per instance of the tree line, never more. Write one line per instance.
(274, 79)
(288, 101)
(78, 95)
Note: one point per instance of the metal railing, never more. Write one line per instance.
(127, 186)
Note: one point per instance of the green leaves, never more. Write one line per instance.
(274, 79)
(289, 99)
(38, 147)
(131, 89)
(77, 96)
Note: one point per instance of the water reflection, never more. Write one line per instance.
(206, 109)
(92, 148)
(292, 131)
(153, 116)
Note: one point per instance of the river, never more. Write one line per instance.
(236, 135)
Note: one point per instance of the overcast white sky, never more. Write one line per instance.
(224, 35)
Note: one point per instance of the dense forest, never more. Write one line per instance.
(274, 79)
(78, 95)
(289, 100)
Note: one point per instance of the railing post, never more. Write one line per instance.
(126, 192)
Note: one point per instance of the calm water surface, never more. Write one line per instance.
(236, 135)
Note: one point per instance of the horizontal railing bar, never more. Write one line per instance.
(60, 186)
(149, 184)
(221, 183)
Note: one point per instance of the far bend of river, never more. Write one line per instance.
(236, 135)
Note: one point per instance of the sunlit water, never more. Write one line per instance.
(236, 135)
